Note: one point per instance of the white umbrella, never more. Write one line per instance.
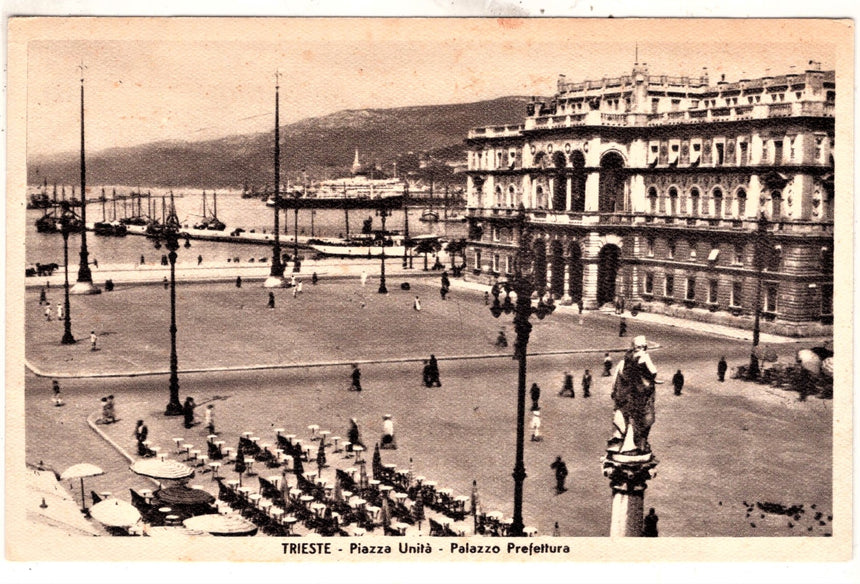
(115, 513)
(81, 471)
(217, 524)
(161, 469)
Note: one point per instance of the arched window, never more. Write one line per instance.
(718, 203)
(512, 196)
(742, 203)
(541, 198)
(673, 201)
(776, 205)
(694, 201)
(652, 200)
(498, 196)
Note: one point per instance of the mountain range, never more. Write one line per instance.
(321, 146)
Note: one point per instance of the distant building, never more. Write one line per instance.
(650, 188)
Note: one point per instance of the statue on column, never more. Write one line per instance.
(633, 394)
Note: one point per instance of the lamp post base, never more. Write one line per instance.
(173, 409)
(68, 339)
(275, 282)
(83, 288)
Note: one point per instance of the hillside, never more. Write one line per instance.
(321, 146)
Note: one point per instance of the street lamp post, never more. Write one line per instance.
(171, 242)
(760, 238)
(84, 285)
(65, 224)
(383, 213)
(407, 257)
(276, 274)
(523, 286)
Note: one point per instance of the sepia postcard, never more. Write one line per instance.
(429, 290)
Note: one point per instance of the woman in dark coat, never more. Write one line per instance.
(188, 411)
(353, 434)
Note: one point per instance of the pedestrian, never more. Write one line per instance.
(486, 298)
(649, 524)
(353, 435)
(199, 259)
(622, 327)
(363, 277)
(238, 281)
(621, 305)
(443, 291)
(95, 263)
(55, 387)
(356, 378)
(579, 305)
(434, 372)
(60, 313)
(426, 375)
(388, 442)
(678, 382)
(292, 280)
(295, 291)
(271, 299)
(48, 312)
(142, 260)
(315, 279)
(141, 432)
(567, 385)
(43, 297)
(586, 383)
(165, 283)
(299, 287)
(446, 283)
(416, 304)
(607, 365)
(188, 411)
(502, 340)
(109, 411)
(560, 469)
(209, 418)
(722, 366)
(534, 392)
(109, 285)
(535, 426)
(93, 340)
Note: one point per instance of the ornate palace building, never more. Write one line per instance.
(651, 188)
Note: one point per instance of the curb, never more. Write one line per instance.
(40, 373)
(91, 421)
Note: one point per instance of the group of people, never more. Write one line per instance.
(567, 385)
(387, 441)
(108, 410)
(430, 374)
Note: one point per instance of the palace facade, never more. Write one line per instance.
(652, 188)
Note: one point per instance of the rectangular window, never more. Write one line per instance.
(655, 105)
(743, 150)
(509, 265)
(770, 296)
(669, 286)
(712, 291)
(777, 152)
(649, 283)
(649, 247)
(737, 293)
(495, 262)
(695, 153)
(690, 292)
(719, 153)
(693, 252)
(738, 256)
(495, 234)
(477, 259)
(765, 152)
(676, 103)
(826, 299)
(670, 250)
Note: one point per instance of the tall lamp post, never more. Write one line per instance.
(66, 226)
(170, 233)
(383, 213)
(276, 274)
(297, 195)
(84, 285)
(407, 257)
(760, 239)
(523, 285)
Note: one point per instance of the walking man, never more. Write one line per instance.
(567, 386)
(535, 395)
(43, 297)
(238, 281)
(535, 426)
(363, 277)
(607, 365)
(388, 433)
(165, 283)
(433, 372)
(356, 378)
(209, 418)
(678, 382)
(93, 340)
(586, 384)
(48, 311)
(649, 524)
(622, 327)
(55, 387)
(60, 313)
(560, 469)
(722, 366)
(416, 304)
(271, 299)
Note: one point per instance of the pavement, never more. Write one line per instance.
(385, 333)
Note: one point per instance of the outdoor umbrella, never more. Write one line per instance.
(226, 525)
(385, 513)
(321, 456)
(184, 496)
(81, 471)
(377, 462)
(162, 469)
(418, 510)
(115, 513)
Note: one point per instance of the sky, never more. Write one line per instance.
(192, 79)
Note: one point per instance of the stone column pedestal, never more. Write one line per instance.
(628, 476)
